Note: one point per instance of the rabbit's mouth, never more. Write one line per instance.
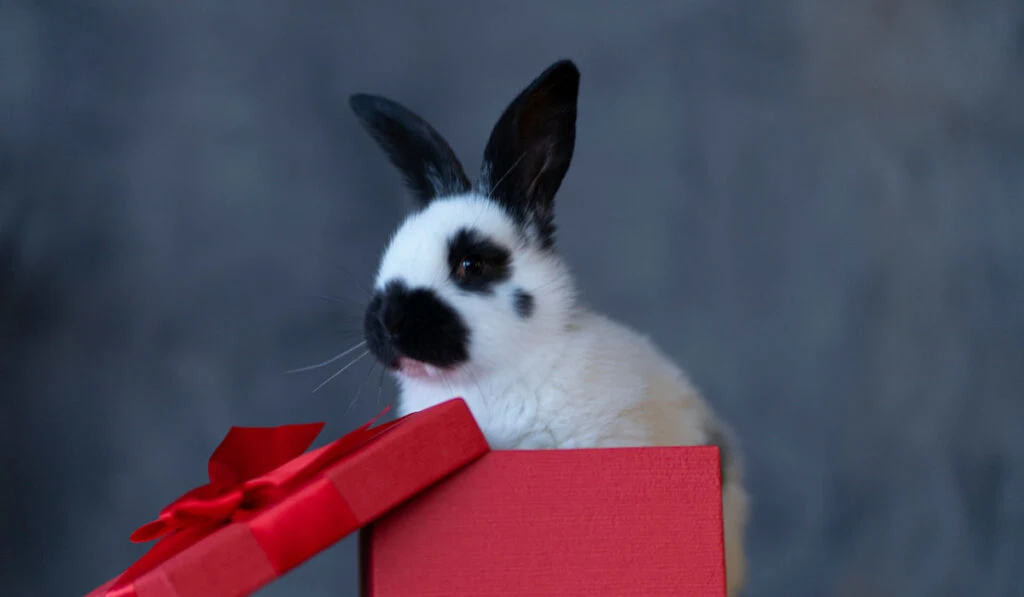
(414, 369)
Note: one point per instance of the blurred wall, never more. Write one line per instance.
(815, 205)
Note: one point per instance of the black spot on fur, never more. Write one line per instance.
(493, 260)
(427, 163)
(416, 324)
(523, 303)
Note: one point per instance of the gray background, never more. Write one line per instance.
(815, 205)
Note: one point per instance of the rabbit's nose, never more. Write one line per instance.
(392, 317)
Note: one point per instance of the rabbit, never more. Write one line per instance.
(471, 299)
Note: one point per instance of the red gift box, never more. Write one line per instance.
(617, 521)
(271, 505)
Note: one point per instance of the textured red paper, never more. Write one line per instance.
(568, 523)
(242, 556)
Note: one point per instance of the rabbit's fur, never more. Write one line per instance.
(472, 300)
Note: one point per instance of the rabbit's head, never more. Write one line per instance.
(470, 281)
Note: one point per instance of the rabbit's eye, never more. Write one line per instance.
(476, 263)
(469, 267)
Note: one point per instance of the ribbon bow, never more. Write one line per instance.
(251, 469)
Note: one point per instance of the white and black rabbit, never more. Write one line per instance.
(472, 300)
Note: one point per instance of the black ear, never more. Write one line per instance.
(530, 149)
(424, 158)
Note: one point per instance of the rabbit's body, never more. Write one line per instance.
(595, 384)
(471, 300)
(592, 382)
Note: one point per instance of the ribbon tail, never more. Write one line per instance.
(163, 550)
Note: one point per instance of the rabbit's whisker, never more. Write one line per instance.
(476, 382)
(490, 192)
(361, 285)
(380, 386)
(328, 361)
(342, 370)
(338, 299)
(359, 390)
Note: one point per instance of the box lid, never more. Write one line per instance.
(265, 511)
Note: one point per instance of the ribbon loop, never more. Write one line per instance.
(252, 468)
(246, 470)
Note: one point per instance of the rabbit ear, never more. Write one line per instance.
(530, 149)
(426, 161)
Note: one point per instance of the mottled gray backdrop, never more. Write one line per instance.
(816, 205)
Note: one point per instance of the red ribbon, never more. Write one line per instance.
(252, 469)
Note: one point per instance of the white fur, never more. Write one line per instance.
(564, 377)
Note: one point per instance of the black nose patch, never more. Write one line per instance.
(417, 324)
